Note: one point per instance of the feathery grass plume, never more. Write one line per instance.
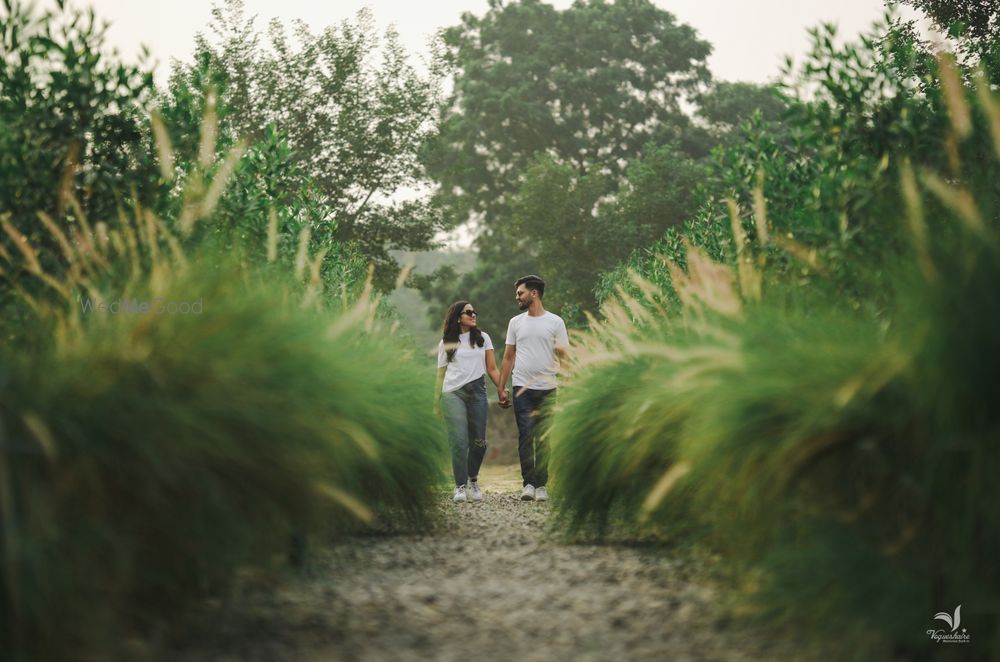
(272, 235)
(164, 150)
(221, 179)
(302, 256)
(58, 235)
(750, 280)
(954, 95)
(760, 209)
(31, 263)
(915, 220)
(991, 107)
(958, 199)
(209, 131)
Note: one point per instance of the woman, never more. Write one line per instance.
(465, 357)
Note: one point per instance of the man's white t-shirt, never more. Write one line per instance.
(536, 338)
(469, 363)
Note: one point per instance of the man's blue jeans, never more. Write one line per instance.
(464, 411)
(530, 409)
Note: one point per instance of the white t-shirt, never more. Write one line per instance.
(469, 363)
(535, 363)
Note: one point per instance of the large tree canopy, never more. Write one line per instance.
(548, 110)
(353, 108)
(588, 86)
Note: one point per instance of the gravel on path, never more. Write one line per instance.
(489, 583)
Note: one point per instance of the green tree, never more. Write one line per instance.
(571, 230)
(975, 23)
(726, 105)
(556, 101)
(270, 178)
(354, 126)
(73, 121)
(589, 85)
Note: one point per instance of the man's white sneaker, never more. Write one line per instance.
(528, 493)
(474, 491)
(460, 495)
(541, 494)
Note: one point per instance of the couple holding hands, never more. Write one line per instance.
(536, 339)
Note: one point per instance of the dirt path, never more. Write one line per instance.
(489, 584)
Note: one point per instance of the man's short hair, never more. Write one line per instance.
(532, 282)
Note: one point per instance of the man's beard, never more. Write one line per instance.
(523, 305)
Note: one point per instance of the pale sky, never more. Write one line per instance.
(750, 37)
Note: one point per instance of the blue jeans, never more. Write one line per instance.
(464, 411)
(530, 409)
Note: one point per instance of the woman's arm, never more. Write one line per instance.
(491, 369)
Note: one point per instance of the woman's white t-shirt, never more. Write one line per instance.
(469, 363)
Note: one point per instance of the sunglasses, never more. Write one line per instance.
(470, 313)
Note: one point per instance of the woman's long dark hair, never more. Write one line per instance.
(452, 328)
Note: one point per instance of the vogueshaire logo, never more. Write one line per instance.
(951, 636)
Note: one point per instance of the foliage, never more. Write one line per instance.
(589, 85)
(353, 127)
(726, 105)
(975, 24)
(815, 446)
(270, 420)
(151, 459)
(571, 229)
(268, 185)
(586, 91)
(71, 121)
(856, 114)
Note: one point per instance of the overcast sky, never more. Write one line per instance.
(749, 37)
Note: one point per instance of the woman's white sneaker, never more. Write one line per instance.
(460, 496)
(474, 491)
(528, 493)
(541, 494)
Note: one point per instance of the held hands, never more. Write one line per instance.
(504, 398)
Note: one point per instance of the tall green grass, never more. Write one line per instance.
(149, 460)
(844, 465)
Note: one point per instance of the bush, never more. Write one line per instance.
(148, 458)
(856, 115)
(840, 461)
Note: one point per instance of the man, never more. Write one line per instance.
(535, 339)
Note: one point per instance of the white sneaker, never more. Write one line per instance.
(528, 493)
(474, 491)
(541, 494)
(459, 494)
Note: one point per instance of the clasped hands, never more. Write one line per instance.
(504, 397)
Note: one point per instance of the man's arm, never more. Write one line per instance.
(562, 343)
(507, 367)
